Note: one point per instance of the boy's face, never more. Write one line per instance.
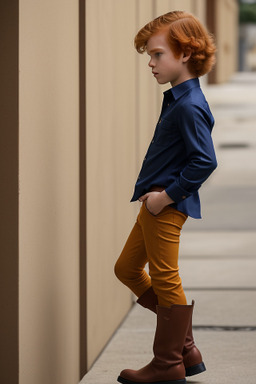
(165, 66)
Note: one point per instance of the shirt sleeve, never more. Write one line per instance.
(195, 126)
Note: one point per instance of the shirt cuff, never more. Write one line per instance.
(176, 192)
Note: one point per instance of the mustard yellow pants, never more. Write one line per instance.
(154, 240)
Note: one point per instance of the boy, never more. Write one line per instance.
(179, 159)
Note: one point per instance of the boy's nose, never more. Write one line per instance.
(150, 63)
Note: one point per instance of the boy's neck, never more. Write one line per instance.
(187, 76)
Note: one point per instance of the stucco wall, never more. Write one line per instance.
(49, 192)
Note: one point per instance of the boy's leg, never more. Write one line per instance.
(129, 268)
(158, 238)
(162, 235)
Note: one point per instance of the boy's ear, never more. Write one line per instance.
(186, 55)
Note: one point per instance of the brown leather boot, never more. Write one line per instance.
(167, 365)
(192, 357)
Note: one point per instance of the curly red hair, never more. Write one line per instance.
(184, 32)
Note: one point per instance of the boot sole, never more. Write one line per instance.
(125, 381)
(195, 369)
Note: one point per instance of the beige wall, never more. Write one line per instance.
(227, 39)
(49, 191)
(111, 161)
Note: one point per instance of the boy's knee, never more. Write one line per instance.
(124, 273)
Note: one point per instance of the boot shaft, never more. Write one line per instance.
(171, 331)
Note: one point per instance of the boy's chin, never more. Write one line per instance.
(162, 81)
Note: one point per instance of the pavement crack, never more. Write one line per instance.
(229, 328)
(238, 289)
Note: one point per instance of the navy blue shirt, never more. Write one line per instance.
(181, 154)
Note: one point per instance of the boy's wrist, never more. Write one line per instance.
(165, 198)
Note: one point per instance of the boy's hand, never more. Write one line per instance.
(156, 201)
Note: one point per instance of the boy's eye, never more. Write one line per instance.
(158, 54)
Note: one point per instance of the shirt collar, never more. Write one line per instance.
(182, 88)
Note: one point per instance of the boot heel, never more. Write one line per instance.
(195, 369)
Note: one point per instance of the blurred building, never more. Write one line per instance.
(247, 47)
(78, 108)
(247, 35)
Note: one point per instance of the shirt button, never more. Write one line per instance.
(145, 159)
(183, 197)
(160, 121)
(152, 141)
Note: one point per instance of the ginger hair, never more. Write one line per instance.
(185, 33)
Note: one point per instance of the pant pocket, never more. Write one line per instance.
(151, 214)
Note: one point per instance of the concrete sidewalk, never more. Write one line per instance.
(217, 257)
